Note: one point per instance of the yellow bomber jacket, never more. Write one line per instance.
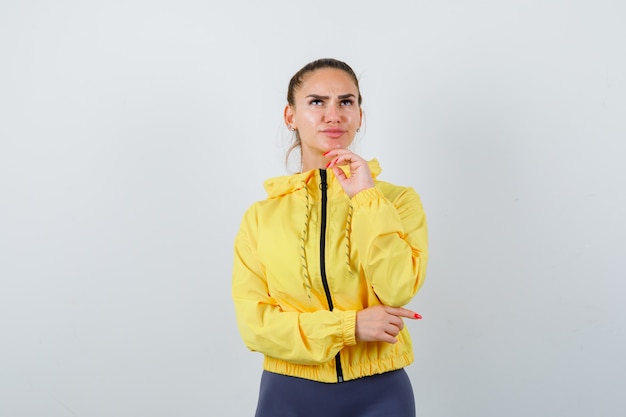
(308, 258)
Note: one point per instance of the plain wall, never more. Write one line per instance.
(134, 134)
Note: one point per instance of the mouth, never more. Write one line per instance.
(333, 132)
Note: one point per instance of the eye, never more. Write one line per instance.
(347, 102)
(315, 102)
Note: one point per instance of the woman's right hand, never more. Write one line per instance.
(381, 323)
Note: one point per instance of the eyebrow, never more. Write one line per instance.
(341, 97)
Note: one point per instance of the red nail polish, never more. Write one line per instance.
(328, 164)
(417, 316)
(326, 153)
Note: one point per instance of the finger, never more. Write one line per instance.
(341, 176)
(342, 157)
(387, 336)
(333, 153)
(340, 160)
(399, 311)
(392, 330)
(403, 312)
(337, 161)
(348, 159)
(396, 322)
(399, 323)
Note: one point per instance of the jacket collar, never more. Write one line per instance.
(286, 184)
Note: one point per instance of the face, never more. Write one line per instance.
(326, 111)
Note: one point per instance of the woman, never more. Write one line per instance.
(324, 265)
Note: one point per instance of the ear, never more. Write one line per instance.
(360, 117)
(288, 116)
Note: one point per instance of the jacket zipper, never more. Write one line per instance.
(323, 187)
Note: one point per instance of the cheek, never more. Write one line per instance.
(355, 117)
(309, 118)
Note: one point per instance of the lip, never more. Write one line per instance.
(333, 132)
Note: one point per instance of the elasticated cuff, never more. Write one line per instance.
(349, 327)
(366, 196)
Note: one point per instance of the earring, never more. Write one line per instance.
(291, 128)
(358, 130)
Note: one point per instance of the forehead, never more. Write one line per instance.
(327, 81)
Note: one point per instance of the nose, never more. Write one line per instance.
(332, 115)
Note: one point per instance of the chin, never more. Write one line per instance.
(339, 143)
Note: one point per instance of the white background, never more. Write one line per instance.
(134, 134)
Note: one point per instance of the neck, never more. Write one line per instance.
(310, 162)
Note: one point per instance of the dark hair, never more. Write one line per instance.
(297, 79)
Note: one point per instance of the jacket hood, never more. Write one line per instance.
(286, 184)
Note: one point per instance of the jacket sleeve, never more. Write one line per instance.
(306, 338)
(392, 243)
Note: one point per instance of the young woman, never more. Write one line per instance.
(324, 266)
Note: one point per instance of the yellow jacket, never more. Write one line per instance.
(303, 267)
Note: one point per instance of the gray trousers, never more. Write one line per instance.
(384, 395)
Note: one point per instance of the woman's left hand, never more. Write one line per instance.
(360, 175)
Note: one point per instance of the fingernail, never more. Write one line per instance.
(417, 316)
(326, 153)
(335, 161)
(328, 164)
